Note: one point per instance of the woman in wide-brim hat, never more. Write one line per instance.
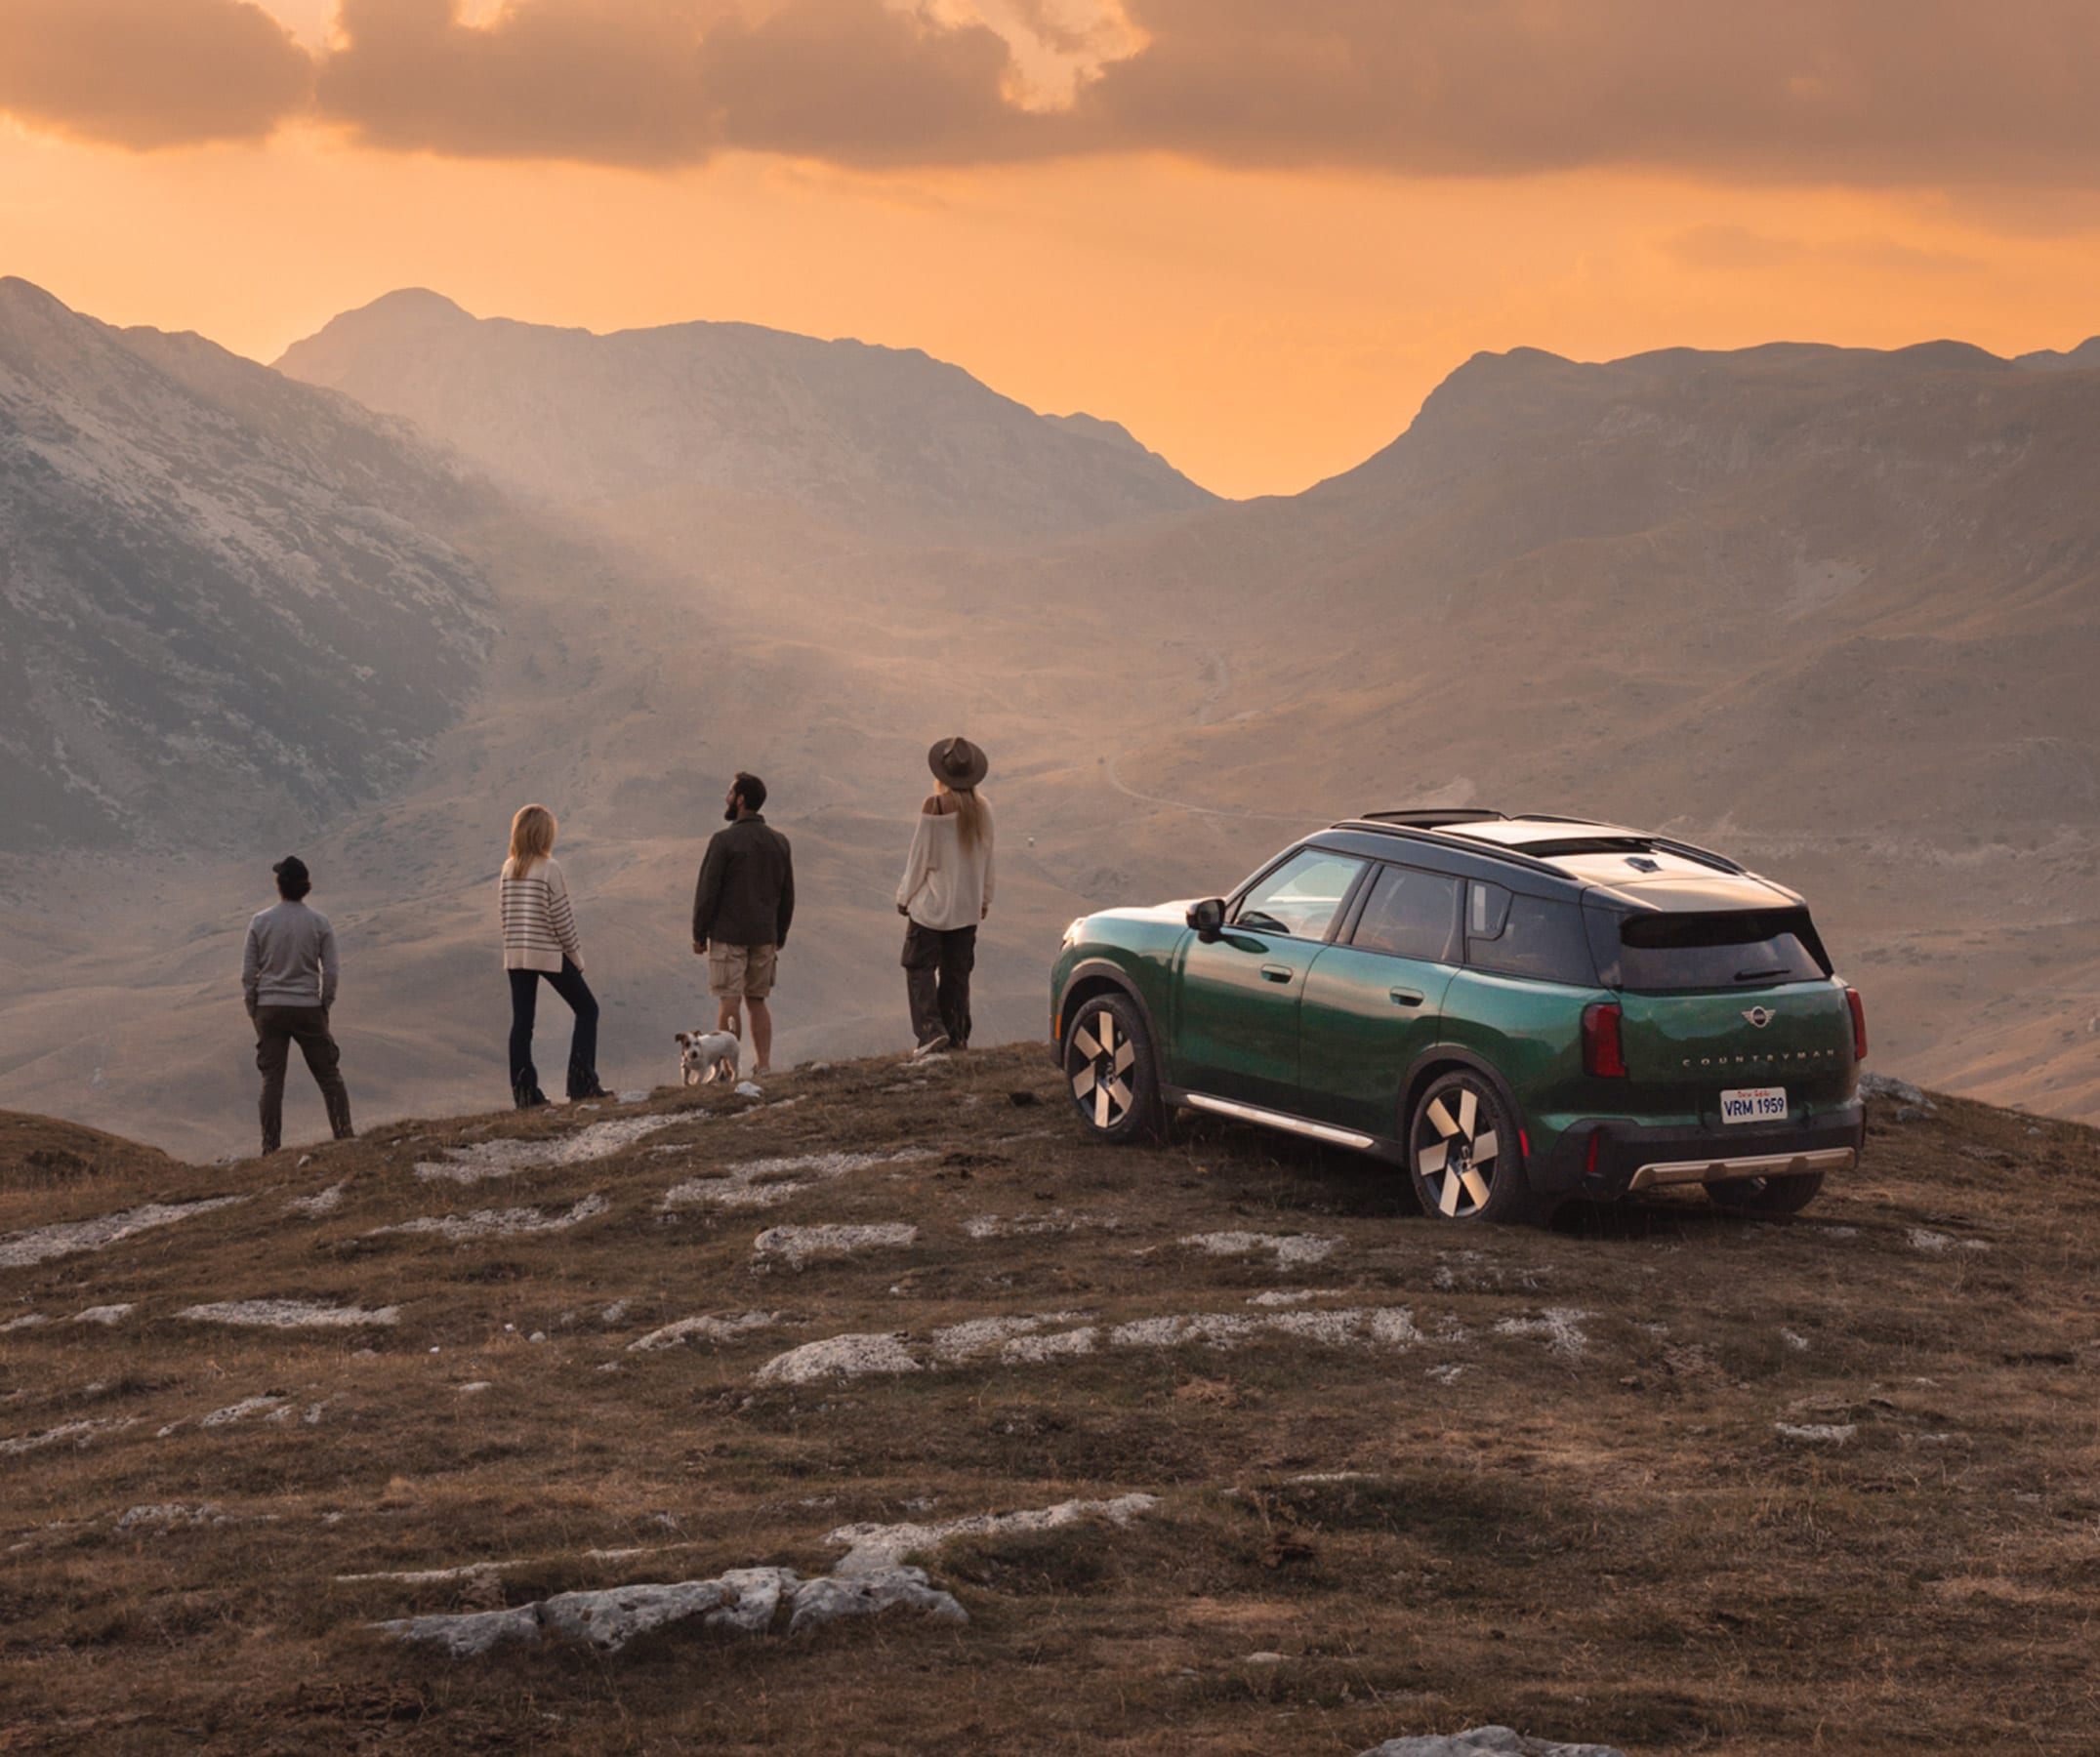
(945, 893)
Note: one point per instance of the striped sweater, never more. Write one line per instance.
(539, 929)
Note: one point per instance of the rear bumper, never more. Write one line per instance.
(1631, 1156)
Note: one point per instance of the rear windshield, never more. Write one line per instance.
(1759, 948)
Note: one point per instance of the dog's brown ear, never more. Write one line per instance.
(682, 1037)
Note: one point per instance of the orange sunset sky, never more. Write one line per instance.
(1257, 232)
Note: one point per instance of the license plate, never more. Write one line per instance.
(1755, 1104)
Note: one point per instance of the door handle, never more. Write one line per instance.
(1277, 972)
(1407, 997)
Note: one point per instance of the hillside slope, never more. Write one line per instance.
(228, 603)
(882, 441)
(1308, 1470)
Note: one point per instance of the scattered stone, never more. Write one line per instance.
(1030, 1351)
(27, 1321)
(288, 1314)
(40, 1244)
(473, 1387)
(709, 1329)
(746, 1600)
(638, 1096)
(171, 1517)
(797, 1245)
(613, 1313)
(261, 1405)
(1795, 1340)
(1445, 1374)
(1486, 1742)
(537, 1337)
(1028, 1226)
(767, 1182)
(1560, 1325)
(1934, 1242)
(1911, 1113)
(837, 1357)
(958, 1343)
(67, 1433)
(105, 1314)
(750, 1088)
(1288, 1296)
(1291, 1250)
(877, 1548)
(326, 1201)
(1817, 1433)
(506, 1159)
(1886, 1086)
(501, 1223)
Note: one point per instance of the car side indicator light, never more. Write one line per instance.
(1603, 1050)
(1858, 1023)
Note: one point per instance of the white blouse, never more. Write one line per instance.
(945, 885)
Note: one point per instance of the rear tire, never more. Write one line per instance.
(1465, 1152)
(1109, 1071)
(1767, 1195)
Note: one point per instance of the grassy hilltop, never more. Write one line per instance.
(1657, 1478)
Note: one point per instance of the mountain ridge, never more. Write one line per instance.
(873, 437)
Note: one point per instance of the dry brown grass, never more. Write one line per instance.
(1616, 1545)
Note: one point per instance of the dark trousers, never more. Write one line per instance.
(937, 963)
(276, 1030)
(568, 983)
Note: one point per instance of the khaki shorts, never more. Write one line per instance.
(740, 972)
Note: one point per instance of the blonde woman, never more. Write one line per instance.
(538, 939)
(945, 892)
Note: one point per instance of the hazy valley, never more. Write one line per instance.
(1830, 610)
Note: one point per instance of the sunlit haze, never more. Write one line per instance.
(1263, 300)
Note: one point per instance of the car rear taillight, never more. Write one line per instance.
(1858, 1023)
(1603, 1054)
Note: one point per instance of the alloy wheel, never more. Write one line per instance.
(1100, 1058)
(1456, 1150)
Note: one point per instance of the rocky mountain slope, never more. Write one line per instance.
(882, 441)
(227, 603)
(892, 1414)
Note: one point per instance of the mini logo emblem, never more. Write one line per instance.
(1760, 1016)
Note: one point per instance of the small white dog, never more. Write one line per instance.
(707, 1056)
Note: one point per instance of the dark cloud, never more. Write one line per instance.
(1875, 91)
(1861, 91)
(146, 73)
(664, 81)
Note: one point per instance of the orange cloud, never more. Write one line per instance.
(1869, 92)
(148, 73)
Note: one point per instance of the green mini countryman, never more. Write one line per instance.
(1519, 1009)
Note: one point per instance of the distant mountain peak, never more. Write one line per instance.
(868, 437)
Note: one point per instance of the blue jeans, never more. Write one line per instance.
(568, 983)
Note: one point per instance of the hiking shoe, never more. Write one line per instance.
(533, 1099)
(933, 1045)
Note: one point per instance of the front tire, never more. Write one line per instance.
(1109, 1071)
(1463, 1152)
(1766, 1197)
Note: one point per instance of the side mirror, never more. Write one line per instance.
(1208, 917)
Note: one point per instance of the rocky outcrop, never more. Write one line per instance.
(749, 1601)
(1486, 1742)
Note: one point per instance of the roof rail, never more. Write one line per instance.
(1434, 818)
(1692, 851)
(1382, 824)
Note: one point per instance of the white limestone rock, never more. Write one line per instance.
(1486, 1742)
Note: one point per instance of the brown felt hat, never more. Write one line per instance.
(958, 762)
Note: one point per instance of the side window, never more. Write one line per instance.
(1541, 937)
(1301, 897)
(1411, 914)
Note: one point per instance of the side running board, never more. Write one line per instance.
(1269, 1118)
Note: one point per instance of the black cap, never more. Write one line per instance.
(293, 880)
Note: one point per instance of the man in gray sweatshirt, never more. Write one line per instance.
(288, 977)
